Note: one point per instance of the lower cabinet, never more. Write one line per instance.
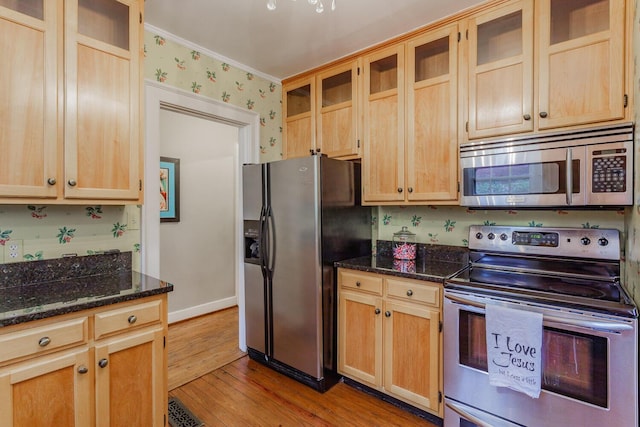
(56, 378)
(389, 336)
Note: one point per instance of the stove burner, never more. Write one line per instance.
(580, 291)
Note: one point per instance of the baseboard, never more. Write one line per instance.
(199, 310)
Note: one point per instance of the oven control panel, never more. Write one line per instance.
(592, 243)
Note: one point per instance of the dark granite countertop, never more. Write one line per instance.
(39, 289)
(433, 262)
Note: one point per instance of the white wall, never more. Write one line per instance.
(197, 254)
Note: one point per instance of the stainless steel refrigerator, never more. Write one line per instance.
(300, 216)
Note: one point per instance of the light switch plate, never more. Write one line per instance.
(13, 251)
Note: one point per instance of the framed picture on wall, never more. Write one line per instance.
(169, 189)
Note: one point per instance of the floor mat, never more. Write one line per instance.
(180, 416)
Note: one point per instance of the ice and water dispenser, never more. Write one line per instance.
(252, 241)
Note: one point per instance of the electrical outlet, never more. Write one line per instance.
(133, 219)
(13, 251)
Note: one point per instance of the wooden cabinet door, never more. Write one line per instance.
(29, 33)
(298, 106)
(48, 391)
(412, 354)
(384, 131)
(130, 380)
(103, 51)
(500, 71)
(432, 137)
(337, 110)
(581, 61)
(360, 337)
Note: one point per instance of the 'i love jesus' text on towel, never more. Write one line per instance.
(514, 348)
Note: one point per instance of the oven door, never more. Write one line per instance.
(532, 177)
(589, 366)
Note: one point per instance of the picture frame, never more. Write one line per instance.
(169, 189)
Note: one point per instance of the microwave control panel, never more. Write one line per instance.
(609, 171)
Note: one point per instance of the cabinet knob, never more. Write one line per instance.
(377, 311)
(410, 189)
(317, 150)
(543, 114)
(72, 183)
(387, 313)
(132, 319)
(311, 151)
(51, 181)
(399, 189)
(527, 117)
(358, 283)
(103, 363)
(82, 369)
(409, 292)
(44, 341)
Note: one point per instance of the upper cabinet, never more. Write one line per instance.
(384, 109)
(322, 113)
(338, 110)
(299, 127)
(410, 133)
(72, 91)
(581, 62)
(499, 58)
(571, 73)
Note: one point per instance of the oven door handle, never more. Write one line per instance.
(467, 416)
(600, 325)
(569, 177)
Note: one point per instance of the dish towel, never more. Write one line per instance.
(514, 349)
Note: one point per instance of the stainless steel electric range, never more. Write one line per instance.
(589, 339)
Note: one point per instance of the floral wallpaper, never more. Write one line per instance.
(449, 225)
(35, 232)
(183, 67)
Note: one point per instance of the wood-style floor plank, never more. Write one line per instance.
(202, 344)
(243, 392)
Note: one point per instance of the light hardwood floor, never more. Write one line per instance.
(243, 392)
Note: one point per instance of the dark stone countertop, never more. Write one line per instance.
(434, 263)
(39, 289)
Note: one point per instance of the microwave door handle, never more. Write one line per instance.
(569, 176)
(600, 325)
(467, 416)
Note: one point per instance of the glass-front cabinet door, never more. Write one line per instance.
(383, 151)
(338, 109)
(29, 97)
(432, 100)
(103, 50)
(581, 63)
(299, 124)
(500, 71)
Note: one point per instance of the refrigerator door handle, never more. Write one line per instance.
(263, 241)
(271, 241)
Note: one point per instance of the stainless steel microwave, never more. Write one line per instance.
(591, 167)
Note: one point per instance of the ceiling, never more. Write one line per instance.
(293, 38)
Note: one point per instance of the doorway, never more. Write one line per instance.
(159, 101)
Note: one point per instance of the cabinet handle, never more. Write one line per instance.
(51, 181)
(44, 341)
(543, 114)
(527, 117)
(399, 189)
(409, 292)
(410, 189)
(132, 319)
(82, 369)
(377, 311)
(387, 313)
(103, 363)
(358, 283)
(72, 183)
